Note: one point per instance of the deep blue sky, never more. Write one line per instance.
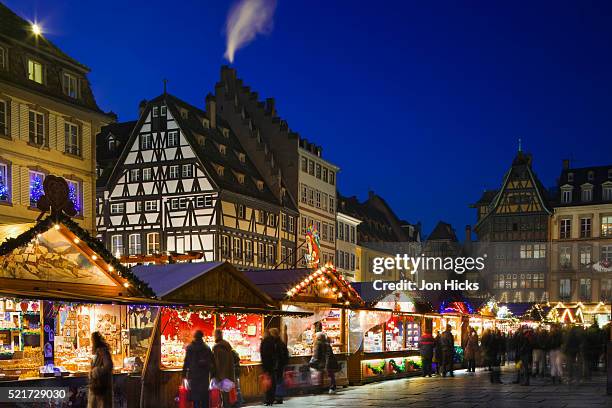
(422, 103)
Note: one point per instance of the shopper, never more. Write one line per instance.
(471, 350)
(223, 363)
(100, 393)
(196, 370)
(448, 351)
(320, 360)
(426, 346)
(571, 348)
(555, 340)
(526, 354)
(331, 365)
(274, 359)
(539, 352)
(437, 358)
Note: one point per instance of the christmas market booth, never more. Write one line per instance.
(328, 298)
(206, 296)
(385, 335)
(58, 284)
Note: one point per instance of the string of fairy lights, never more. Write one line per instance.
(328, 279)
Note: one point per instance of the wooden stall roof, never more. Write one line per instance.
(204, 283)
(324, 285)
(373, 297)
(57, 254)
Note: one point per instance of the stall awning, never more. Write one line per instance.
(63, 296)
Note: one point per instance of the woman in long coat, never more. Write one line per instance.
(471, 351)
(196, 369)
(100, 393)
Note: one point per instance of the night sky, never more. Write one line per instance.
(421, 103)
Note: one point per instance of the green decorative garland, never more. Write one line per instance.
(414, 364)
(377, 369)
(397, 367)
(46, 224)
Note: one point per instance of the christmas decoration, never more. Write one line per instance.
(4, 192)
(398, 368)
(377, 369)
(36, 189)
(328, 278)
(313, 257)
(74, 198)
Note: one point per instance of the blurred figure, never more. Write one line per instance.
(426, 347)
(100, 393)
(223, 363)
(448, 350)
(471, 350)
(196, 369)
(437, 358)
(571, 348)
(555, 339)
(525, 351)
(324, 360)
(274, 359)
(539, 355)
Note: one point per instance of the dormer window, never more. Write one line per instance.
(225, 132)
(610, 173)
(239, 177)
(260, 185)
(590, 175)
(155, 112)
(222, 149)
(606, 191)
(35, 71)
(219, 169)
(163, 110)
(242, 157)
(184, 113)
(112, 143)
(570, 177)
(566, 196)
(586, 193)
(70, 85)
(206, 123)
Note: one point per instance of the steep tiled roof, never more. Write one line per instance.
(443, 231)
(596, 176)
(105, 157)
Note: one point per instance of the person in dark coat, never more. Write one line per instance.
(438, 352)
(196, 369)
(274, 359)
(426, 346)
(324, 360)
(526, 343)
(448, 351)
(223, 363)
(100, 393)
(471, 350)
(331, 365)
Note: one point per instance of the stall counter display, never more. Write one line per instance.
(244, 333)
(394, 334)
(413, 334)
(141, 320)
(177, 328)
(20, 351)
(302, 337)
(75, 323)
(373, 340)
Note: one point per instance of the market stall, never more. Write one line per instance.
(206, 296)
(328, 298)
(57, 286)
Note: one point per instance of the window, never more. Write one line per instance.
(248, 250)
(147, 174)
(155, 112)
(174, 204)
(112, 143)
(117, 245)
(585, 289)
(117, 208)
(585, 256)
(153, 243)
(187, 170)
(352, 262)
(606, 290)
(134, 175)
(242, 158)
(585, 227)
(36, 187)
(4, 122)
(318, 199)
(587, 194)
(291, 224)
(37, 128)
(332, 205)
(304, 193)
(74, 193)
(284, 221)
(304, 164)
(163, 110)
(606, 226)
(72, 142)
(138, 207)
(311, 167)
(570, 177)
(182, 203)
(261, 217)
(590, 175)
(310, 197)
(241, 211)
(151, 205)
(606, 190)
(35, 71)
(173, 172)
(606, 253)
(204, 201)
(565, 230)
(352, 240)
(318, 171)
(225, 246)
(261, 253)
(237, 246)
(5, 184)
(565, 257)
(324, 176)
(324, 232)
(173, 138)
(270, 254)
(566, 196)
(135, 244)
(332, 178)
(565, 289)
(146, 141)
(3, 57)
(69, 84)
(222, 149)
(272, 220)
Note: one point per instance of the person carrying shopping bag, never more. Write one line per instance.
(196, 370)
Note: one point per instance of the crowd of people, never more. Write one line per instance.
(565, 354)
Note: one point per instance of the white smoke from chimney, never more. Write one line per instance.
(246, 19)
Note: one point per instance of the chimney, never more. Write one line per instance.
(566, 164)
(529, 159)
(270, 108)
(141, 107)
(468, 233)
(211, 110)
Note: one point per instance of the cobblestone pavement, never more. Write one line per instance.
(464, 390)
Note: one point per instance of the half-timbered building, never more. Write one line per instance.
(512, 229)
(181, 186)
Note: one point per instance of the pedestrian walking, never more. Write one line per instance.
(100, 390)
(274, 359)
(324, 361)
(491, 343)
(539, 354)
(223, 364)
(555, 339)
(471, 350)
(448, 351)
(571, 348)
(426, 347)
(331, 365)
(196, 370)
(525, 352)
(437, 357)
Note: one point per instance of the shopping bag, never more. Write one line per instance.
(265, 382)
(226, 385)
(183, 395)
(233, 396)
(289, 379)
(215, 400)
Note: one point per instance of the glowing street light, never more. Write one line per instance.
(36, 29)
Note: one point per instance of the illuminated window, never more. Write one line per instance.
(135, 244)
(35, 71)
(565, 289)
(117, 245)
(153, 243)
(606, 226)
(36, 187)
(74, 193)
(5, 183)
(70, 84)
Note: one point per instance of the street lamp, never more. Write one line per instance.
(36, 29)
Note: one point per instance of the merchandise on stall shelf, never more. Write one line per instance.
(302, 332)
(141, 321)
(373, 341)
(178, 326)
(413, 335)
(244, 333)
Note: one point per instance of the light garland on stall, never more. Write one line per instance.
(328, 277)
